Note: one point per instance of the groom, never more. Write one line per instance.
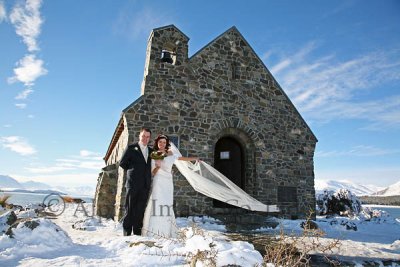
(136, 161)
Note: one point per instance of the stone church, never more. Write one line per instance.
(223, 105)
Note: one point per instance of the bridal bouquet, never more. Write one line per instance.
(158, 155)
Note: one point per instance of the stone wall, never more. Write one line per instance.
(225, 90)
(106, 192)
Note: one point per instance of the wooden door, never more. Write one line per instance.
(228, 159)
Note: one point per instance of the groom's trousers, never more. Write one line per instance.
(135, 205)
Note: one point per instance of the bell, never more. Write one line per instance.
(166, 57)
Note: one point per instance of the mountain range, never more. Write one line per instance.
(392, 190)
(357, 189)
(8, 183)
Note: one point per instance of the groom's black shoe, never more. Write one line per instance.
(126, 233)
(137, 231)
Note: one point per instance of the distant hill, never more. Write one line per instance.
(392, 190)
(32, 185)
(36, 191)
(79, 191)
(357, 189)
(9, 182)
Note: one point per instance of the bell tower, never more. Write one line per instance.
(167, 47)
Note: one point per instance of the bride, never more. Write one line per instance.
(159, 218)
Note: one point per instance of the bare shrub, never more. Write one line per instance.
(341, 202)
(293, 250)
(3, 200)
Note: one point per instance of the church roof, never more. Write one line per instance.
(170, 26)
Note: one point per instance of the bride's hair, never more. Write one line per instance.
(161, 136)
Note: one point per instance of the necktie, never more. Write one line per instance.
(144, 151)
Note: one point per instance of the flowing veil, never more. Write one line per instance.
(208, 181)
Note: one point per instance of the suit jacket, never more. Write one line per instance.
(138, 172)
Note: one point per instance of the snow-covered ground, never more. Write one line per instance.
(102, 244)
(56, 243)
(374, 240)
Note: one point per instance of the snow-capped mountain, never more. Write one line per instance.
(393, 190)
(31, 185)
(9, 182)
(357, 189)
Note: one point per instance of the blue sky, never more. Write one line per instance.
(67, 70)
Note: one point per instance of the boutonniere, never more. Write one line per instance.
(136, 148)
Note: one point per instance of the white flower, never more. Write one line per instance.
(136, 148)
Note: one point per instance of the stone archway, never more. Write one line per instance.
(244, 145)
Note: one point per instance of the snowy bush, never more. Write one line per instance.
(341, 202)
(374, 215)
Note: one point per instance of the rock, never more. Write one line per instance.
(9, 217)
(28, 223)
(349, 225)
(35, 206)
(6, 220)
(88, 224)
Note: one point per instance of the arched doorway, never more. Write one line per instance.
(229, 160)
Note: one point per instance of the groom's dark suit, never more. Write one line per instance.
(138, 182)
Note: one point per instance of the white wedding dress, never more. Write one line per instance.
(159, 217)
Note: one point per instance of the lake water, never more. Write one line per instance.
(26, 198)
(23, 199)
(394, 211)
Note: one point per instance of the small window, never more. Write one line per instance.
(235, 71)
(224, 155)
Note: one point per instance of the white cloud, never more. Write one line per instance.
(281, 65)
(87, 160)
(298, 57)
(382, 113)
(3, 13)
(30, 116)
(18, 145)
(24, 94)
(325, 88)
(136, 23)
(7, 125)
(28, 70)
(44, 170)
(267, 54)
(20, 105)
(87, 153)
(360, 151)
(27, 21)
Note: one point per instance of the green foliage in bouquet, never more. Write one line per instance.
(158, 155)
